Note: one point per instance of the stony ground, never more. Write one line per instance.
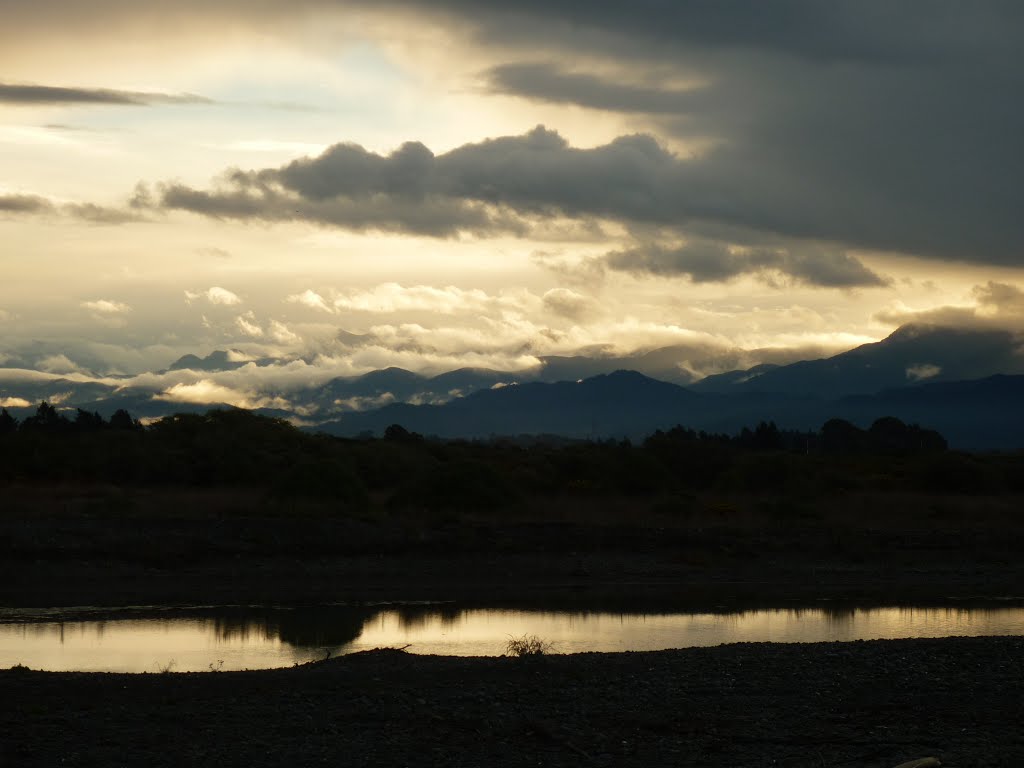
(861, 704)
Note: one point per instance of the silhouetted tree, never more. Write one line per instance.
(123, 420)
(839, 436)
(766, 437)
(46, 419)
(8, 423)
(400, 433)
(88, 422)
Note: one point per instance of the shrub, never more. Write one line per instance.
(527, 645)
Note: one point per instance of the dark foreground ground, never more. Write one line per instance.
(858, 705)
(101, 546)
(861, 704)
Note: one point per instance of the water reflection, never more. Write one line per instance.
(254, 639)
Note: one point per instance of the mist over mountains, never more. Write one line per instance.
(968, 383)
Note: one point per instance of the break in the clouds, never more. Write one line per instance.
(36, 95)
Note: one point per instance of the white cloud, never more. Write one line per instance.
(58, 364)
(364, 403)
(247, 324)
(311, 299)
(14, 402)
(924, 371)
(393, 297)
(214, 295)
(208, 392)
(280, 333)
(107, 306)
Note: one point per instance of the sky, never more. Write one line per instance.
(345, 186)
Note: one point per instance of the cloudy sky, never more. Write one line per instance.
(351, 185)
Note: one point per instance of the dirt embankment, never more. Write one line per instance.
(859, 704)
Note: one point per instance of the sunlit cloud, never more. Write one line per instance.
(393, 297)
(106, 306)
(206, 392)
(58, 364)
(280, 333)
(214, 295)
(311, 299)
(247, 324)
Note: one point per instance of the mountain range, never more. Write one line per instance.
(967, 383)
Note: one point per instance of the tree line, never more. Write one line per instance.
(231, 447)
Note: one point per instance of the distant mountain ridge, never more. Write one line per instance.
(979, 414)
(911, 354)
(480, 401)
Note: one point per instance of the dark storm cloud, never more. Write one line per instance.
(34, 95)
(485, 188)
(871, 125)
(101, 214)
(434, 217)
(852, 30)
(501, 185)
(24, 204)
(716, 262)
(549, 82)
(868, 123)
(891, 126)
(89, 212)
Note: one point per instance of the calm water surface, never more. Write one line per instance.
(231, 638)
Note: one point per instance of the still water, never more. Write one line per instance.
(145, 640)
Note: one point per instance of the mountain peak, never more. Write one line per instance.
(218, 360)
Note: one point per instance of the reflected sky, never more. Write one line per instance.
(281, 638)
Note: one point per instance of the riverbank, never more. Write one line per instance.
(860, 704)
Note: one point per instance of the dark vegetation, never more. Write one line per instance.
(404, 469)
(233, 507)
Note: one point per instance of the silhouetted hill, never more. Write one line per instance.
(466, 380)
(983, 414)
(55, 391)
(620, 403)
(373, 388)
(217, 360)
(911, 354)
(723, 382)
